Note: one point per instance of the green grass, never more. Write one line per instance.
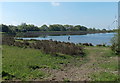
(106, 61)
(104, 76)
(17, 61)
(109, 65)
(26, 63)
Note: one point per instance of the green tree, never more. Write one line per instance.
(13, 28)
(4, 28)
(68, 27)
(83, 28)
(104, 30)
(93, 29)
(31, 27)
(24, 27)
(57, 27)
(80, 28)
(44, 28)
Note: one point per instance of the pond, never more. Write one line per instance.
(98, 38)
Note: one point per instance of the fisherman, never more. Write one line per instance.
(68, 37)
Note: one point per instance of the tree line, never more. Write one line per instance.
(55, 27)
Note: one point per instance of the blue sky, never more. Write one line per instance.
(90, 14)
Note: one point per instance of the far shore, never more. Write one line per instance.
(36, 33)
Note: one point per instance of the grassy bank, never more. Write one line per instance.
(26, 64)
(100, 64)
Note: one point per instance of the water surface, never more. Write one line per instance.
(98, 38)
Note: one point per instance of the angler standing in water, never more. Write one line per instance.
(68, 37)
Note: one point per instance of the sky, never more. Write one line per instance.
(90, 14)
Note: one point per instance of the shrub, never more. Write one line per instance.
(48, 46)
(114, 42)
(7, 40)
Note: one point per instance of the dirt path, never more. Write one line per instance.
(82, 73)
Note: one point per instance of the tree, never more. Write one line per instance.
(13, 28)
(24, 27)
(44, 28)
(103, 29)
(57, 27)
(83, 28)
(79, 28)
(31, 27)
(5, 28)
(68, 27)
(93, 29)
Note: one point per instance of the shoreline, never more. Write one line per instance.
(36, 33)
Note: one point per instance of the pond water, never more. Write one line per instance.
(98, 38)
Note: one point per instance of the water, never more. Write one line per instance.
(98, 38)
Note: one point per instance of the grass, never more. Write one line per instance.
(16, 61)
(104, 76)
(106, 63)
(25, 64)
(112, 65)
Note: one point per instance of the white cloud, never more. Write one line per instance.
(55, 3)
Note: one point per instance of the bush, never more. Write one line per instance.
(47, 46)
(114, 42)
(7, 40)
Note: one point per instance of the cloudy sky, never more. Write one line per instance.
(90, 14)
